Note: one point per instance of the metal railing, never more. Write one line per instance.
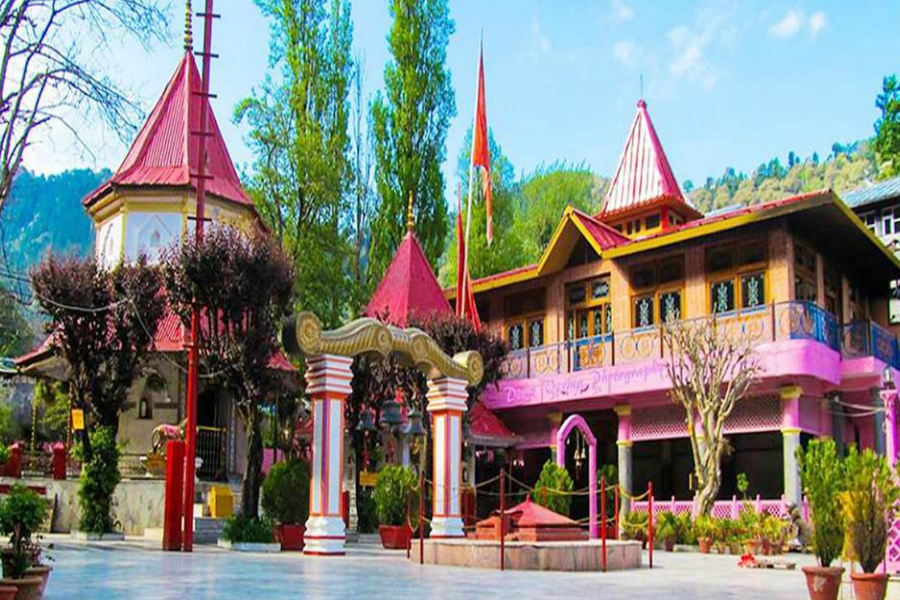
(794, 320)
(211, 449)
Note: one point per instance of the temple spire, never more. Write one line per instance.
(188, 36)
(410, 217)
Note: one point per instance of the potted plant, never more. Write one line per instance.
(703, 530)
(285, 500)
(667, 529)
(634, 527)
(248, 534)
(21, 514)
(395, 491)
(872, 495)
(722, 533)
(685, 529)
(823, 477)
(749, 522)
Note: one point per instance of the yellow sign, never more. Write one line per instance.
(77, 419)
(367, 479)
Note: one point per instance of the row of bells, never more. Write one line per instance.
(390, 418)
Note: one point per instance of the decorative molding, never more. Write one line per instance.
(302, 334)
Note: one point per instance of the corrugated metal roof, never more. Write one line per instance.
(872, 193)
(644, 174)
(605, 236)
(165, 153)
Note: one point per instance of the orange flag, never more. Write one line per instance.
(465, 300)
(481, 153)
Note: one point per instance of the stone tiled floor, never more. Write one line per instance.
(136, 570)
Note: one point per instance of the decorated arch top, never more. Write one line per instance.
(303, 335)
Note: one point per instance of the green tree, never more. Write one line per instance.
(15, 333)
(506, 250)
(410, 124)
(298, 131)
(52, 400)
(887, 128)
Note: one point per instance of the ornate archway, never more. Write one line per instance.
(577, 421)
(329, 356)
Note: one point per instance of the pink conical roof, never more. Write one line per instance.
(644, 175)
(535, 515)
(165, 153)
(408, 287)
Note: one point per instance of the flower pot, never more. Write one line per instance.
(721, 547)
(766, 547)
(42, 571)
(8, 592)
(669, 544)
(27, 588)
(823, 583)
(705, 545)
(869, 586)
(395, 537)
(290, 536)
(734, 548)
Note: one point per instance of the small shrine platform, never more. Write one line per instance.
(583, 555)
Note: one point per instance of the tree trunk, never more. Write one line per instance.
(707, 493)
(253, 470)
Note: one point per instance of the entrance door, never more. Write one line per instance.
(212, 434)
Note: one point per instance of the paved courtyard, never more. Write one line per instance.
(135, 570)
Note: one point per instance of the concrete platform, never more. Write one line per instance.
(531, 556)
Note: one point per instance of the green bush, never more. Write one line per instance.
(366, 512)
(396, 485)
(823, 478)
(4, 454)
(871, 496)
(634, 526)
(240, 529)
(611, 474)
(21, 515)
(703, 527)
(285, 492)
(667, 526)
(553, 489)
(98, 481)
(685, 529)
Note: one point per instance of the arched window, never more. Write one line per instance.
(145, 408)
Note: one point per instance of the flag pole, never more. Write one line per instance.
(471, 175)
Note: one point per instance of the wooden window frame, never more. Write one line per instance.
(589, 305)
(736, 272)
(657, 289)
(525, 321)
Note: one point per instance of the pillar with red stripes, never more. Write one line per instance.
(328, 380)
(447, 403)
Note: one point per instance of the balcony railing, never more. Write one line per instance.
(769, 323)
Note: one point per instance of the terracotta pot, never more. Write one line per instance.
(395, 537)
(290, 537)
(869, 586)
(823, 583)
(734, 548)
(8, 592)
(752, 547)
(42, 571)
(669, 544)
(766, 547)
(705, 545)
(27, 588)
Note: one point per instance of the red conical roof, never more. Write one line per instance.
(408, 287)
(535, 515)
(165, 153)
(644, 175)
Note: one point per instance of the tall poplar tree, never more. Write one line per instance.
(410, 121)
(299, 134)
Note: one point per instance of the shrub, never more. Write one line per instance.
(21, 514)
(4, 454)
(871, 497)
(634, 526)
(252, 530)
(667, 525)
(396, 485)
(823, 478)
(285, 492)
(366, 513)
(98, 481)
(703, 528)
(553, 488)
(685, 529)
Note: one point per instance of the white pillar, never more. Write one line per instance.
(624, 444)
(328, 380)
(447, 403)
(790, 434)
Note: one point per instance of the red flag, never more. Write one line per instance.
(465, 300)
(481, 153)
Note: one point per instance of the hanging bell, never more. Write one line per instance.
(414, 425)
(366, 421)
(390, 414)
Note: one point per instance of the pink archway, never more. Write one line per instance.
(571, 423)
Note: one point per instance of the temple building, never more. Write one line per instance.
(583, 327)
(148, 204)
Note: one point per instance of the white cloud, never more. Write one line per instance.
(626, 52)
(817, 23)
(689, 46)
(541, 41)
(620, 11)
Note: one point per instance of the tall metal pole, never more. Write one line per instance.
(194, 349)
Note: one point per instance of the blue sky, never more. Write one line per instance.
(727, 83)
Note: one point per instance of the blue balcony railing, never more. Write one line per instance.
(769, 323)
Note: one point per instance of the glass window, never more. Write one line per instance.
(600, 288)
(628, 228)
(753, 290)
(643, 311)
(515, 337)
(583, 324)
(576, 294)
(719, 259)
(869, 219)
(642, 278)
(536, 333)
(598, 320)
(722, 296)
(570, 326)
(670, 306)
(608, 312)
(670, 271)
(887, 222)
(651, 222)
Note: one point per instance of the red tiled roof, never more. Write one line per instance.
(605, 236)
(408, 287)
(535, 515)
(485, 424)
(165, 153)
(644, 174)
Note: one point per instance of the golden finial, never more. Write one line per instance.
(188, 38)
(410, 217)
